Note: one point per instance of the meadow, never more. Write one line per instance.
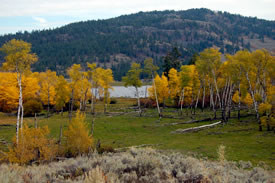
(123, 127)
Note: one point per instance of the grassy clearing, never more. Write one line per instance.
(241, 138)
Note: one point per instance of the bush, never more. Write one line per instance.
(105, 148)
(32, 106)
(148, 103)
(33, 145)
(136, 165)
(78, 140)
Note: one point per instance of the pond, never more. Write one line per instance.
(129, 92)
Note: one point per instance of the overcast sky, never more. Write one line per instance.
(21, 15)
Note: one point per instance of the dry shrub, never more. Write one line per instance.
(135, 165)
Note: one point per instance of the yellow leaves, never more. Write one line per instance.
(78, 140)
(18, 56)
(248, 100)
(62, 92)
(265, 108)
(173, 83)
(33, 145)
(9, 90)
(161, 88)
(47, 82)
(236, 97)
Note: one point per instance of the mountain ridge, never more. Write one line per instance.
(116, 42)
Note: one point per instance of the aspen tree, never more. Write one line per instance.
(150, 69)
(132, 78)
(19, 59)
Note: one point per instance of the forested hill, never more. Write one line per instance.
(117, 41)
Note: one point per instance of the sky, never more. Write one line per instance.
(28, 15)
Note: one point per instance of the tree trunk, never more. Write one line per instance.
(212, 101)
(85, 99)
(92, 102)
(254, 102)
(199, 92)
(138, 100)
(203, 97)
(182, 99)
(21, 108)
(216, 86)
(156, 96)
(48, 102)
(35, 120)
(239, 104)
(72, 105)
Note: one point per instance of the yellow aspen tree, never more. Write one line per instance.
(74, 73)
(184, 79)
(105, 82)
(84, 87)
(78, 140)
(48, 83)
(92, 77)
(173, 83)
(161, 84)
(62, 93)
(210, 59)
(18, 59)
(150, 69)
(255, 68)
(34, 144)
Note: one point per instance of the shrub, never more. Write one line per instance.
(147, 103)
(33, 145)
(136, 165)
(105, 148)
(31, 107)
(78, 140)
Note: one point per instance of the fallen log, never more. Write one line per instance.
(186, 122)
(194, 129)
(138, 146)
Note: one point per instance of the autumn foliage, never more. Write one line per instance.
(78, 140)
(33, 145)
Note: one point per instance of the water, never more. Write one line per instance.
(129, 92)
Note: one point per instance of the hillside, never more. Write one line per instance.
(115, 42)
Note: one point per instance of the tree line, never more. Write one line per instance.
(244, 78)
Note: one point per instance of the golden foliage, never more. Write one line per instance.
(161, 88)
(78, 140)
(33, 145)
(173, 83)
(9, 91)
(248, 100)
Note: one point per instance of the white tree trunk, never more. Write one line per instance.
(156, 96)
(138, 100)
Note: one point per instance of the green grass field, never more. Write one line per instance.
(242, 139)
